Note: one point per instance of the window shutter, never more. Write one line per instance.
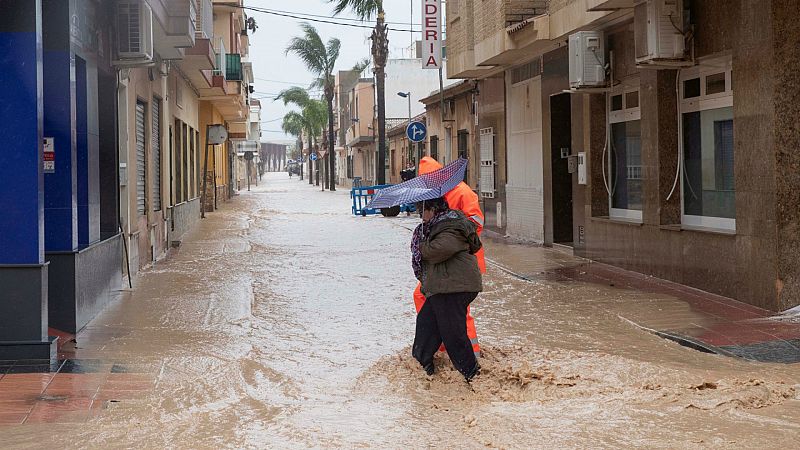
(487, 183)
(141, 160)
(156, 135)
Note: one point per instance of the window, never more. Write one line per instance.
(435, 147)
(198, 178)
(350, 167)
(185, 162)
(190, 166)
(708, 189)
(625, 154)
(526, 71)
(463, 144)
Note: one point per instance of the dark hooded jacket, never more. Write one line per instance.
(448, 256)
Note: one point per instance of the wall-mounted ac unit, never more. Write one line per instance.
(587, 60)
(134, 32)
(658, 30)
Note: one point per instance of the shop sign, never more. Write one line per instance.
(431, 34)
(49, 156)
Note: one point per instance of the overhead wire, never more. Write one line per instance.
(309, 18)
(352, 19)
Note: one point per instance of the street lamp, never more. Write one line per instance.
(408, 96)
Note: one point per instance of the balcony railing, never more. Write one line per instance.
(518, 10)
(233, 66)
(205, 19)
(222, 59)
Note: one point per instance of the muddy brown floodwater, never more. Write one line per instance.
(285, 322)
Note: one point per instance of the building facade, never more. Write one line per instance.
(677, 169)
(106, 149)
(342, 122)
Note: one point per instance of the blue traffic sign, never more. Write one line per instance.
(416, 131)
(313, 156)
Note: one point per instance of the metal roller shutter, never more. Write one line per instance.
(141, 160)
(156, 134)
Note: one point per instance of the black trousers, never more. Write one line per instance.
(443, 318)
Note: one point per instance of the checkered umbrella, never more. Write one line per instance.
(424, 187)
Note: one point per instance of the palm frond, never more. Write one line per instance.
(316, 116)
(363, 9)
(361, 65)
(332, 53)
(293, 124)
(294, 95)
(310, 49)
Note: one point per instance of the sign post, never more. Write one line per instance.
(431, 34)
(416, 131)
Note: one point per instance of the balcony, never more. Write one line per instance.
(199, 62)
(233, 67)
(176, 28)
(493, 42)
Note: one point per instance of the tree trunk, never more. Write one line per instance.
(331, 145)
(310, 162)
(316, 164)
(323, 171)
(380, 52)
(300, 148)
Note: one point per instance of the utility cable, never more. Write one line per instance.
(311, 19)
(330, 17)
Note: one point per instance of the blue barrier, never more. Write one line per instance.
(362, 195)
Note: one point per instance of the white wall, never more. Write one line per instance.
(404, 75)
(525, 187)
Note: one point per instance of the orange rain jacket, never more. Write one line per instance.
(465, 200)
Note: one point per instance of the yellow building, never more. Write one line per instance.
(195, 75)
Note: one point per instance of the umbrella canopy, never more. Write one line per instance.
(423, 187)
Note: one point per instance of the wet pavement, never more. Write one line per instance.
(285, 322)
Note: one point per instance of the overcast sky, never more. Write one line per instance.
(275, 71)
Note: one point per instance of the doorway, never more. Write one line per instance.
(560, 149)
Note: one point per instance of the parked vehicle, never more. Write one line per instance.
(293, 167)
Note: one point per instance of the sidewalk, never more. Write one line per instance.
(702, 321)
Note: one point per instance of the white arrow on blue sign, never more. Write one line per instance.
(313, 156)
(416, 131)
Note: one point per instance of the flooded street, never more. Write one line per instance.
(284, 322)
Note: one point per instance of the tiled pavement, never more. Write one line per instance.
(703, 321)
(65, 391)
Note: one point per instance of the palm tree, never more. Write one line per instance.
(365, 10)
(312, 113)
(294, 124)
(320, 58)
(361, 65)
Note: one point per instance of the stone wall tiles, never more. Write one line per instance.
(787, 141)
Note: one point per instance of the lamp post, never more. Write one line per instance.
(407, 95)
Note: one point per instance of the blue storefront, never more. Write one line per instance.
(60, 247)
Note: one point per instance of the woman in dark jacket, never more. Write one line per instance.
(443, 249)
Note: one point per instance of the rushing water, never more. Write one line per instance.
(285, 322)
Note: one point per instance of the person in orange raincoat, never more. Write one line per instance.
(465, 200)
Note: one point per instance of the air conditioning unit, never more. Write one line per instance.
(587, 60)
(134, 32)
(658, 29)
